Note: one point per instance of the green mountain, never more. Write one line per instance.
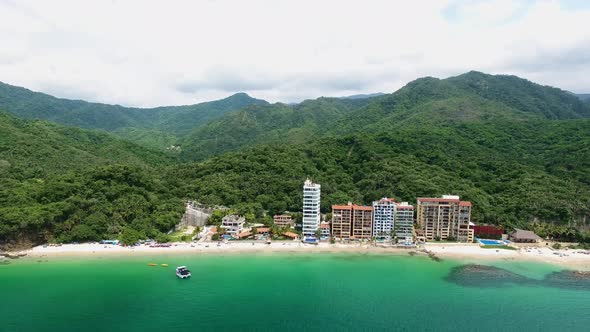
(515, 173)
(67, 183)
(472, 97)
(277, 124)
(524, 95)
(156, 127)
(584, 96)
(34, 148)
(518, 150)
(363, 96)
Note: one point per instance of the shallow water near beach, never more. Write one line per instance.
(328, 292)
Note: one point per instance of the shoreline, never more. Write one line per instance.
(471, 253)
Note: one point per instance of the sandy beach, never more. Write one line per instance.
(472, 253)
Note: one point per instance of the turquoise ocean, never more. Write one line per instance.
(287, 292)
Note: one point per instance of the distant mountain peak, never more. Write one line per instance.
(240, 94)
(363, 96)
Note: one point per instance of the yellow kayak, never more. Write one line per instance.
(152, 264)
(164, 265)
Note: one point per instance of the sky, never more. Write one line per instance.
(150, 53)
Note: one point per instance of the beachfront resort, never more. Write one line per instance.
(436, 226)
(432, 219)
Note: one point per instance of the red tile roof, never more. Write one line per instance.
(464, 203)
(262, 230)
(405, 207)
(291, 234)
(324, 225)
(244, 234)
(352, 207)
(341, 207)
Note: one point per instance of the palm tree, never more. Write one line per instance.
(392, 235)
(318, 233)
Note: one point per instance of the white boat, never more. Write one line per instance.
(182, 272)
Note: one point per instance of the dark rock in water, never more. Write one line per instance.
(569, 280)
(473, 275)
(431, 255)
(13, 256)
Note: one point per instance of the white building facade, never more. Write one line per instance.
(233, 224)
(404, 223)
(383, 218)
(311, 209)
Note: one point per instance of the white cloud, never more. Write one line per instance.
(148, 53)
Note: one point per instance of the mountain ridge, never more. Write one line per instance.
(518, 150)
(473, 96)
(166, 122)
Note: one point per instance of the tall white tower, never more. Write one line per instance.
(311, 208)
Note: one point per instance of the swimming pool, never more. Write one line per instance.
(491, 242)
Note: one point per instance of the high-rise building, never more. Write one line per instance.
(352, 222)
(383, 218)
(444, 218)
(404, 222)
(362, 222)
(311, 209)
(341, 221)
(391, 219)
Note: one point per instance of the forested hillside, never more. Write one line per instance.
(518, 150)
(100, 202)
(277, 123)
(515, 174)
(153, 127)
(424, 103)
(32, 148)
(69, 184)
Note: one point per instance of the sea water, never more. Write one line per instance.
(284, 292)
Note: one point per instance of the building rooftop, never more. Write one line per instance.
(291, 234)
(263, 230)
(433, 199)
(244, 234)
(233, 218)
(444, 199)
(308, 183)
(351, 206)
(385, 199)
(522, 234)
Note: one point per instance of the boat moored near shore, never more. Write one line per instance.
(182, 272)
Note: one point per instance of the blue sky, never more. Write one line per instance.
(149, 53)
